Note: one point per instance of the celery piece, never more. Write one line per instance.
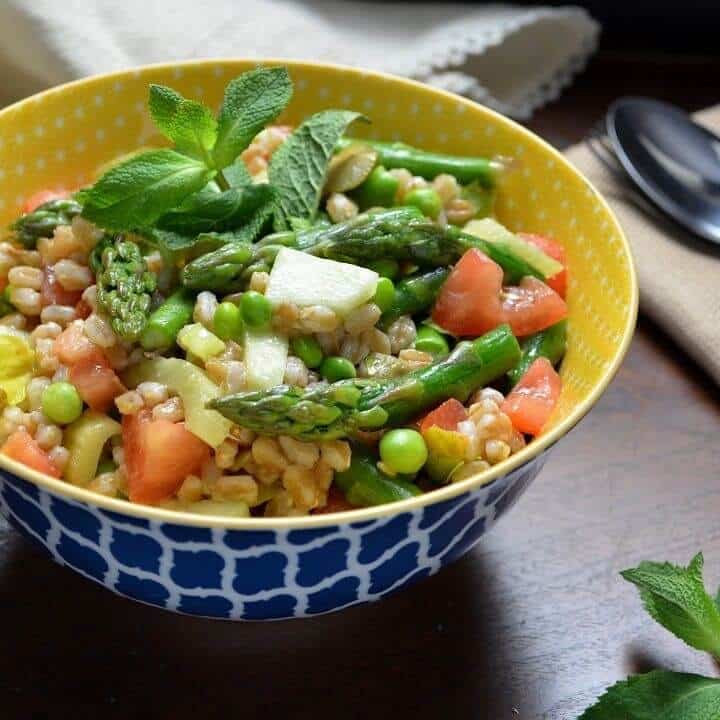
(200, 342)
(85, 439)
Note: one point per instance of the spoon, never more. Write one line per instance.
(671, 158)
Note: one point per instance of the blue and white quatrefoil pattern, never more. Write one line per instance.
(257, 575)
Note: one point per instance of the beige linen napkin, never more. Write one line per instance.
(679, 274)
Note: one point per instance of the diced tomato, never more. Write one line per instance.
(532, 306)
(469, 300)
(82, 309)
(53, 293)
(336, 502)
(73, 346)
(96, 382)
(159, 455)
(556, 251)
(533, 399)
(41, 197)
(446, 416)
(472, 300)
(22, 447)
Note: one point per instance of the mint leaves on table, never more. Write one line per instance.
(251, 101)
(675, 596)
(139, 191)
(659, 695)
(299, 166)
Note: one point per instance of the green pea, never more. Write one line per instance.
(256, 309)
(227, 322)
(336, 368)
(386, 268)
(403, 450)
(308, 349)
(61, 403)
(426, 200)
(431, 341)
(384, 294)
(378, 189)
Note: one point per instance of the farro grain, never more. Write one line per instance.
(72, 275)
(298, 452)
(59, 457)
(129, 403)
(98, 330)
(26, 276)
(296, 372)
(26, 300)
(171, 410)
(239, 488)
(15, 320)
(362, 318)
(259, 281)
(61, 314)
(48, 436)
(266, 451)
(153, 393)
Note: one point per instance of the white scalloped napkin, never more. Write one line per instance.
(511, 58)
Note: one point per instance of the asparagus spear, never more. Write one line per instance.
(415, 294)
(42, 221)
(166, 322)
(398, 234)
(548, 343)
(364, 484)
(429, 164)
(340, 409)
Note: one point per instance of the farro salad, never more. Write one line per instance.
(274, 321)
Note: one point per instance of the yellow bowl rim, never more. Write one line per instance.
(531, 451)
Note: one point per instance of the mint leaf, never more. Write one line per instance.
(251, 101)
(675, 597)
(218, 212)
(299, 166)
(142, 189)
(659, 695)
(237, 174)
(189, 124)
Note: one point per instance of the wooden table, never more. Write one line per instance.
(533, 623)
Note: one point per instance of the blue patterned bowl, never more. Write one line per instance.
(254, 568)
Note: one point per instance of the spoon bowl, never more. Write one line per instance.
(672, 159)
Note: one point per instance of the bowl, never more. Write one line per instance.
(254, 568)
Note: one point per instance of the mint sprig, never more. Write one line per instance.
(659, 695)
(140, 190)
(251, 101)
(189, 124)
(299, 166)
(136, 193)
(675, 597)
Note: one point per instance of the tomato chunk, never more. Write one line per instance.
(469, 300)
(445, 416)
(472, 300)
(53, 293)
(73, 346)
(556, 251)
(533, 399)
(41, 197)
(532, 306)
(82, 310)
(96, 382)
(22, 447)
(159, 455)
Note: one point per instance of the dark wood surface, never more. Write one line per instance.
(532, 624)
